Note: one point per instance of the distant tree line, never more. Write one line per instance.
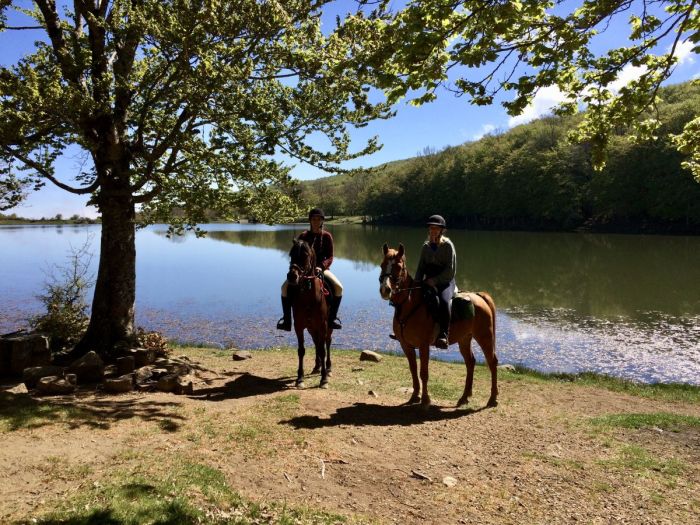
(532, 177)
(58, 218)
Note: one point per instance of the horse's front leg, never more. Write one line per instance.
(320, 343)
(424, 359)
(300, 352)
(410, 353)
(328, 353)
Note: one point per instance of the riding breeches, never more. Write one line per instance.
(337, 285)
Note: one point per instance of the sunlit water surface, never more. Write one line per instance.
(627, 306)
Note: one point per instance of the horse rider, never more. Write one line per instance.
(322, 243)
(436, 268)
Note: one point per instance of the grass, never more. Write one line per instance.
(660, 391)
(640, 460)
(184, 492)
(661, 420)
(21, 411)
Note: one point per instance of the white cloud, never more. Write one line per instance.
(627, 75)
(485, 130)
(685, 53)
(545, 99)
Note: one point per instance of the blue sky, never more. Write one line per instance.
(446, 122)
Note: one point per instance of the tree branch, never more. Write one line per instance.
(47, 175)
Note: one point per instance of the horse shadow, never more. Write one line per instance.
(245, 385)
(371, 414)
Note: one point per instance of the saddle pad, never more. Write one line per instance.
(462, 306)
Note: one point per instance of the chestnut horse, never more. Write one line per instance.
(310, 309)
(415, 327)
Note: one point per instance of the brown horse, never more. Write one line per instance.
(415, 327)
(310, 309)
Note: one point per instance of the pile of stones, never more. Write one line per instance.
(27, 356)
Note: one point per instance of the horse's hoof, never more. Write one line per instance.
(300, 384)
(324, 384)
(425, 403)
(493, 402)
(328, 373)
(462, 401)
(316, 370)
(415, 399)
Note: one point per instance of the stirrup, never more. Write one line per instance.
(335, 324)
(442, 342)
(392, 335)
(284, 324)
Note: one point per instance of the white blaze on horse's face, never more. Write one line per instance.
(385, 283)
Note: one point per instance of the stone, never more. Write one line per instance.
(185, 385)
(125, 365)
(241, 355)
(24, 351)
(143, 374)
(507, 368)
(368, 355)
(89, 368)
(55, 385)
(19, 389)
(167, 383)
(449, 481)
(31, 375)
(121, 384)
(144, 356)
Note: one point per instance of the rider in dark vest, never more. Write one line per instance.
(437, 267)
(322, 243)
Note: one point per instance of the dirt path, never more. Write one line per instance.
(539, 457)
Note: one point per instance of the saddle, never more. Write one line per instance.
(461, 304)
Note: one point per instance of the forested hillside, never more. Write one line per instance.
(531, 177)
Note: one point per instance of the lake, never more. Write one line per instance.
(624, 305)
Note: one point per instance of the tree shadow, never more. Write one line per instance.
(367, 414)
(245, 385)
(18, 411)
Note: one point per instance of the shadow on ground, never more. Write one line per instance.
(245, 385)
(18, 411)
(367, 414)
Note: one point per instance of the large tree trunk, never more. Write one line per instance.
(112, 318)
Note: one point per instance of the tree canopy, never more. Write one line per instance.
(487, 49)
(185, 102)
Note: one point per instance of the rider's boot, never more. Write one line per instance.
(442, 340)
(333, 320)
(285, 323)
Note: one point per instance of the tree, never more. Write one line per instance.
(177, 105)
(483, 48)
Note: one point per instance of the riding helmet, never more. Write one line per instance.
(317, 211)
(437, 220)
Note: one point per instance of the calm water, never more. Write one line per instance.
(623, 305)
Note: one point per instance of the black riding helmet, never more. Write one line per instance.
(437, 220)
(317, 211)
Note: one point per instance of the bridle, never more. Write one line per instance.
(305, 273)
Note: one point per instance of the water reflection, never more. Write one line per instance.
(622, 305)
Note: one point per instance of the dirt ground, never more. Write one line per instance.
(355, 450)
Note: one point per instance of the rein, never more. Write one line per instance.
(398, 306)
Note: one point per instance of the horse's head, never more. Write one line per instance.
(393, 270)
(301, 261)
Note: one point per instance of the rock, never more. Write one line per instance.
(157, 373)
(507, 368)
(31, 375)
(55, 385)
(368, 355)
(110, 371)
(241, 355)
(143, 356)
(143, 374)
(449, 481)
(357, 368)
(19, 389)
(126, 365)
(90, 368)
(167, 383)
(20, 351)
(185, 385)
(372, 393)
(124, 383)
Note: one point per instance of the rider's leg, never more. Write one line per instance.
(445, 312)
(333, 320)
(285, 323)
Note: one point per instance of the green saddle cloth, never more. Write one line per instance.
(462, 306)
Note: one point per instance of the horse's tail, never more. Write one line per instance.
(489, 300)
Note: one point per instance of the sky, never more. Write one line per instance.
(449, 121)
